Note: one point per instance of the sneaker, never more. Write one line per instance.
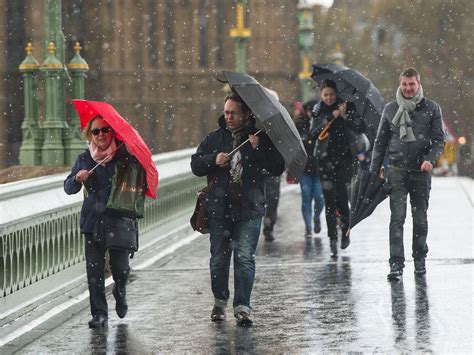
(268, 235)
(317, 225)
(333, 246)
(218, 314)
(396, 272)
(308, 233)
(98, 321)
(243, 319)
(420, 268)
(345, 241)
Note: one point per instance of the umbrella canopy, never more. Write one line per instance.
(274, 118)
(354, 87)
(368, 190)
(124, 132)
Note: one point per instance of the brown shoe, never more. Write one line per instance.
(218, 314)
(243, 319)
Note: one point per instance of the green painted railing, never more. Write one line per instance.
(45, 239)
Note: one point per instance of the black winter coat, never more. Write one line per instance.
(427, 126)
(99, 185)
(257, 165)
(335, 148)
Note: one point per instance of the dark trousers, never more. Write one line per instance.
(95, 266)
(272, 194)
(335, 180)
(418, 185)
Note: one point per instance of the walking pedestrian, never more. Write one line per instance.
(272, 193)
(331, 119)
(104, 150)
(236, 202)
(312, 199)
(411, 134)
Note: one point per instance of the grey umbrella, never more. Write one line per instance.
(354, 87)
(274, 118)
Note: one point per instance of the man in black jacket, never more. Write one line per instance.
(236, 201)
(411, 132)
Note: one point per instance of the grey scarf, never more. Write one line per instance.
(402, 117)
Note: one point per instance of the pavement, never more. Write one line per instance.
(304, 301)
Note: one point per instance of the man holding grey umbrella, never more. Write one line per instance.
(411, 131)
(236, 201)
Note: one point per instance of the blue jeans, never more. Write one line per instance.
(418, 185)
(311, 190)
(241, 238)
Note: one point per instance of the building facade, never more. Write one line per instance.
(156, 61)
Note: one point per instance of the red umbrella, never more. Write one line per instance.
(124, 132)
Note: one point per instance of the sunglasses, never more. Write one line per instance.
(104, 130)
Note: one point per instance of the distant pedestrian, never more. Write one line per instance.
(236, 202)
(312, 198)
(411, 134)
(332, 118)
(272, 193)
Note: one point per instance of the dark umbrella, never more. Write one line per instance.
(354, 87)
(275, 119)
(368, 190)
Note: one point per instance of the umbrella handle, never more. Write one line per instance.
(241, 145)
(382, 173)
(325, 132)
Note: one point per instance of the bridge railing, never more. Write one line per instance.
(40, 238)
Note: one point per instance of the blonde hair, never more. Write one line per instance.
(87, 132)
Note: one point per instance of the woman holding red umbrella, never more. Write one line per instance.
(93, 170)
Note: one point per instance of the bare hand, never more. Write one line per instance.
(426, 166)
(254, 141)
(82, 176)
(343, 109)
(336, 113)
(222, 159)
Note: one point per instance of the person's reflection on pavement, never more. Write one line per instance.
(399, 309)
(422, 315)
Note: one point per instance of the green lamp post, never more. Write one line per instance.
(305, 43)
(73, 142)
(53, 149)
(241, 35)
(30, 151)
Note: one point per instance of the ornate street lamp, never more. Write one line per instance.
(305, 43)
(241, 35)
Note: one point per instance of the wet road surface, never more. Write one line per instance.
(304, 301)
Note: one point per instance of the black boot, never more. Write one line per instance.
(98, 321)
(119, 292)
(396, 272)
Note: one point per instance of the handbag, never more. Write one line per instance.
(199, 220)
(127, 196)
(116, 232)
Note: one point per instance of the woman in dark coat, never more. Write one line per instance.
(336, 162)
(97, 185)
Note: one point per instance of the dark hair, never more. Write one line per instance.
(410, 73)
(328, 83)
(235, 97)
